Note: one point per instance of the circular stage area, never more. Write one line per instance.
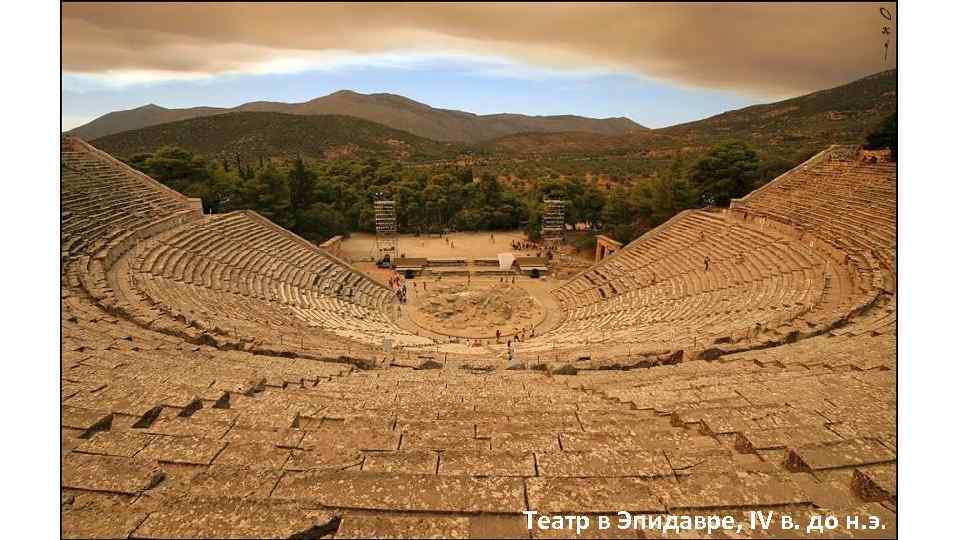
(475, 310)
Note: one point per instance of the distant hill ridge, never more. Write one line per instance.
(841, 115)
(271, 134)
(791, 129)
(391, 110)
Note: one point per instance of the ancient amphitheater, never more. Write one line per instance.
(222, 377)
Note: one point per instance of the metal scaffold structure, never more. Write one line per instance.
(554, 219)
(385, 213)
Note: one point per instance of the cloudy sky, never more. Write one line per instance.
(658, 64)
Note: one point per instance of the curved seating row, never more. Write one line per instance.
(237, 270)
(168, 438)
(810, 251)
(165, 441)
(844, 202)
(146, 252)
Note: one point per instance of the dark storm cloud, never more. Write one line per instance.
(762, 48)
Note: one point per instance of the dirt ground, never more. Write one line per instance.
(472, 323)
(475, 309)
(361, 247)
(360, 251)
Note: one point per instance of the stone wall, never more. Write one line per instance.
(606, 246)
(334, 246)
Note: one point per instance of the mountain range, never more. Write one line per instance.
(388, 109)
(841, 115)
(269, 134)
(787, 129)
(385, 124)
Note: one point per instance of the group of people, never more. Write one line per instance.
(519, 336)
(399, 286)
(523, 245)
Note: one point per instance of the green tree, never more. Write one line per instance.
(139, 161)
(665, 195)
(177, 168)
(271, 196)
(302, 182)
(534, 219)
(726, 172)
(590, 205)
(620, 215)
(322, 221)
(468, 219)
(193, 176)
(885, 136)
(770, 169)
(221, 190)
(302, 185)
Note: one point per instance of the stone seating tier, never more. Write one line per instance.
(656, 294)
(168, 431)
(166, 439)
(805, 254)
(234, 272)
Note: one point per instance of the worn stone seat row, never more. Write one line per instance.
(234, 271)
(811, 251)
(144, 252)
(297, 443)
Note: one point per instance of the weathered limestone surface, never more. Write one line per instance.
(171, 428)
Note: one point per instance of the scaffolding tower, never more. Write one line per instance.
(385, 213)
(554, 220)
